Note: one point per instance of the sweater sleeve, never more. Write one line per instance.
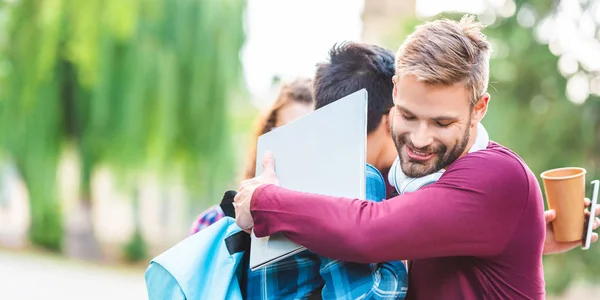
(473, 210)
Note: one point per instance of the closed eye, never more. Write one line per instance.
(408, 118)
(443, 125)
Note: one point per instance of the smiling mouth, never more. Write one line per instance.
(418, 155)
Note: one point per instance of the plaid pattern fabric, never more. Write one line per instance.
(376, 187)
(297, 276)
(207, 218)
(345, 280)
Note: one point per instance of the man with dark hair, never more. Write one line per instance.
(354, 66)
(351, 67)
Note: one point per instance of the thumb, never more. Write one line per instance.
(549, 215)
(268, 162)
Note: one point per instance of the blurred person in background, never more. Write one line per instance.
(295, 100)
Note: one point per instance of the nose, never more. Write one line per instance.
(421, 138)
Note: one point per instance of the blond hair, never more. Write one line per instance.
(447, 52)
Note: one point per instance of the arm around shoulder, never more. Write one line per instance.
(472, 210)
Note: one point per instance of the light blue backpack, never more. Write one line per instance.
(211, 264)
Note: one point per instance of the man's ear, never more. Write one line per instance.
(383, 129)
(395, 91)
(385, 122)
(480, 109)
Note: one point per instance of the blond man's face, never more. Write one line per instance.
(432, 125)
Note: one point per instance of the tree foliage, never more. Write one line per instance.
(134, 84)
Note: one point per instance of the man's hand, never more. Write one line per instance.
(551, 246)
(243, 218)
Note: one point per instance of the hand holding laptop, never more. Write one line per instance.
(243, 218)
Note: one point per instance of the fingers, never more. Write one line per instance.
(566, 246)
(242, 215)
(240, 198)
(588, 202)
(549, 215)
(244, 184)
(237, 199)
(268, 162)
(594, 237)
(596, 223)
(597, 211)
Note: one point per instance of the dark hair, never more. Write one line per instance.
(353, 66)
(298, 90)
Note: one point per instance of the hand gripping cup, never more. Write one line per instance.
(565, 191)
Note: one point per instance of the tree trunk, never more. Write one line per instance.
(136, 249)
(45, 229)
(81, 240)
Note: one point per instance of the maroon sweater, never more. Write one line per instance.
(477, 233)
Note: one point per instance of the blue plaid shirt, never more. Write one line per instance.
(298, 276)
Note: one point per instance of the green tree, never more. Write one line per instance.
(31, 114)
(138, 85)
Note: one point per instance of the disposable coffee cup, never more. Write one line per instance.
(565, 191)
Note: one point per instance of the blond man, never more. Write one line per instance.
(475, 231)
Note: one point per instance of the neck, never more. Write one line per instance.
(472, 138)
(374, 149)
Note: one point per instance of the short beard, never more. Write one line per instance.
(442, 157)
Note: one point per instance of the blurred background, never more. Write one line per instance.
(122, 120)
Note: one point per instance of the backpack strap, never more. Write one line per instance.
(227, 203)
(238, 242)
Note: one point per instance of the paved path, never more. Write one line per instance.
(27, 276)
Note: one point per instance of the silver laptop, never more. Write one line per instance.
(323, 152)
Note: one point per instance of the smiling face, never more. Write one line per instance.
(442, 72)
(432, 125)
